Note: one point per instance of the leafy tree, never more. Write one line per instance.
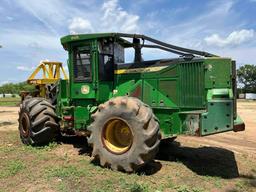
(15, 88)
(247, 78)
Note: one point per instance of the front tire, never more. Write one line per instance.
(37, 122)
(125, 134)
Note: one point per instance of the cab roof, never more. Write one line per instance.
(82, 37)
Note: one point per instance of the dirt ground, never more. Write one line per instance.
(222, 162)
(239, 142)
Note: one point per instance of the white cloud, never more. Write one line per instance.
(234, 38)
(28, 38)
(191, 32)
(80, 25)
(117, 19)
(49, 13)
(242, 55)
(111, 18)
(25, 68)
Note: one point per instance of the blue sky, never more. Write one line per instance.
(30, 29)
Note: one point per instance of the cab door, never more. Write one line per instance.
(83, 80)
(106, 77)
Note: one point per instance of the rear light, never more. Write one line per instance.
(68, 118)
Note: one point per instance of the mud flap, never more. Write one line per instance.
(238, 125)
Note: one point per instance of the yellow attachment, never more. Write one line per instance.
(117, 136)
(51, 73)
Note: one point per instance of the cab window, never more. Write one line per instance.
(82, 65)
(106, 69)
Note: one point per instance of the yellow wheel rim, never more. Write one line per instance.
(117, 136)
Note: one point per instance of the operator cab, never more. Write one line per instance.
(109, 53)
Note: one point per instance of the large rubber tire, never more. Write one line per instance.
(144, 127)
(37, 122)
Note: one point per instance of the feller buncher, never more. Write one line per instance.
(125, 109)
(44, 78)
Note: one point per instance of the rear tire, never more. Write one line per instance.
(125, 134)
(37, 122)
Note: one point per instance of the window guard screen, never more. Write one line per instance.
(82, 66)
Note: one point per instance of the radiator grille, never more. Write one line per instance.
(191, 80)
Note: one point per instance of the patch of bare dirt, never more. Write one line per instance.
(240, 142)
(9, 118)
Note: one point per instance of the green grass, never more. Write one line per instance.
(136, 187)
(184, 188)
(60, 168)
(9, 101)
(40, 149)
(11, 168)
(66, 171)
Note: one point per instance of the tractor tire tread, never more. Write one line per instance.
(146, 130)
(44, 126)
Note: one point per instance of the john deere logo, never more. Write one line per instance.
(85, 89)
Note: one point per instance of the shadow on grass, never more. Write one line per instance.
(250, 179)
(79, 142)
(205, 161)
(148, 169)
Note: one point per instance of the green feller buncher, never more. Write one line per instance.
(125, 109)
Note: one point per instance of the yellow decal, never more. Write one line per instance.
(139, 70)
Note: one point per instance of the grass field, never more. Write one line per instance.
(9, 101)
(190, 164)
(57, 167)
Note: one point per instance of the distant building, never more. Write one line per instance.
(250, 96)
(241, 96)
(8, 95)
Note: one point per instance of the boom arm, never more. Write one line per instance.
(167, 47)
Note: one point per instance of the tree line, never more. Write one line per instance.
(16, 88)
(246, 81)
(246, 78)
